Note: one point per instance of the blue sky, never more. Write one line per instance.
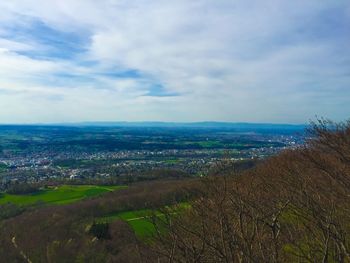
(225, 60)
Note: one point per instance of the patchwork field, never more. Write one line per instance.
(60, 195)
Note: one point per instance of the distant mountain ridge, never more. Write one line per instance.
(155, 124)
(205, 124)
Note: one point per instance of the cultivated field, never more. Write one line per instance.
(64, 194)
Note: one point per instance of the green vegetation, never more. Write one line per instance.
(210, 144)
(64, 194)
(172, 161)
(3, 167)
(139, 220)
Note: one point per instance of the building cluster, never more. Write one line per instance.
(76, 164)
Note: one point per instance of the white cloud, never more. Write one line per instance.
(227, 60)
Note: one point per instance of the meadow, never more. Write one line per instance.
(59, 195)
(139, 220)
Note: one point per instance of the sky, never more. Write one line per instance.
(180, 61)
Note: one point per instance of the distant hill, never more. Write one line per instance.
(208, 124)
(238, 127)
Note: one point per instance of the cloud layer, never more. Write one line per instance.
(256, 61)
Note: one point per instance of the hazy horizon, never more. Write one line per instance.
(159, 124)
(226, 61)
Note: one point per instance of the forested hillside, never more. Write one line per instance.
(294, 207)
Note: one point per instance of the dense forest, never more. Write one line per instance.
(293, 207)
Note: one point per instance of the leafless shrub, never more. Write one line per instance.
(294, 207)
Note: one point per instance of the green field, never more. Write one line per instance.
(64, 194)
(172, 161)
(139, 219)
